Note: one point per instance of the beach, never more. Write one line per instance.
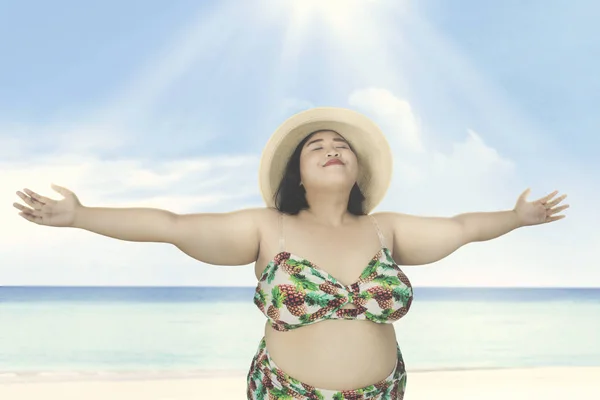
(548, 383)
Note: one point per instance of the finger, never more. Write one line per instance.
(556, 218)
(547, 197)
(62, 190)
(28, 211)
(33, 203)
(557, 210)
(23, 208)
(525, 193)
(39, 197)
(30, 217)
(556, 201)
(26, 198)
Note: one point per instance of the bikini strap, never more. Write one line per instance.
(378, 230)
(281, 238)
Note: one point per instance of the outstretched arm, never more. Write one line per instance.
(424, 240)
(215, 238)
(482, 226)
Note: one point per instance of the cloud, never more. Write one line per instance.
(394, 112)
(470, 159)
(21, 143)
(422, 168)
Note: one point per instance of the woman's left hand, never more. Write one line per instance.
(539, 211)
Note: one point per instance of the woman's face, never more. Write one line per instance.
(317, 151)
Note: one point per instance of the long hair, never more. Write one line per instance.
(290, 197)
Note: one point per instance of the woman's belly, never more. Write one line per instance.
(335, 354)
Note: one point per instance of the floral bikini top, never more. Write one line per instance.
(293, 292)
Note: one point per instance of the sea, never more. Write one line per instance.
(115, 331)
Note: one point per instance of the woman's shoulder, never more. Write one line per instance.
(267, 215)
(382, 218)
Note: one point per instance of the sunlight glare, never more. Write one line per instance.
(337, 13)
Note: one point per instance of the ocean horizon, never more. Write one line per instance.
(97, 330)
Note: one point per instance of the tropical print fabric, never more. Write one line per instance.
(293, 292)
(266, 381)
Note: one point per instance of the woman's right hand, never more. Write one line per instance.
(49, 212)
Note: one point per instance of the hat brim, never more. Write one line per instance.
(368, 142)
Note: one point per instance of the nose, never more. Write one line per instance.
(333, 152)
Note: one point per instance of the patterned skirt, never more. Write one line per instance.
(266, 381)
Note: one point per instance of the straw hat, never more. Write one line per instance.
(368, 142)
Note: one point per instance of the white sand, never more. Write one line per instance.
(571, 383)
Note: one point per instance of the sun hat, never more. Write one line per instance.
(368, 142)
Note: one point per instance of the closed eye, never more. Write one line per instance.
(339, 147)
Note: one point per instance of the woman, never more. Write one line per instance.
(328, 275)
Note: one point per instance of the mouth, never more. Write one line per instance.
(333, 162)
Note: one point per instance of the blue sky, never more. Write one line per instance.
(169, 105)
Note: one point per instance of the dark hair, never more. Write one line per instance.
(290, 197)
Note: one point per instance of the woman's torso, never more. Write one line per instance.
(330, 354)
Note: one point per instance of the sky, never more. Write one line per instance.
(169, 104)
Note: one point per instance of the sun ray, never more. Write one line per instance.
(348, 36)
